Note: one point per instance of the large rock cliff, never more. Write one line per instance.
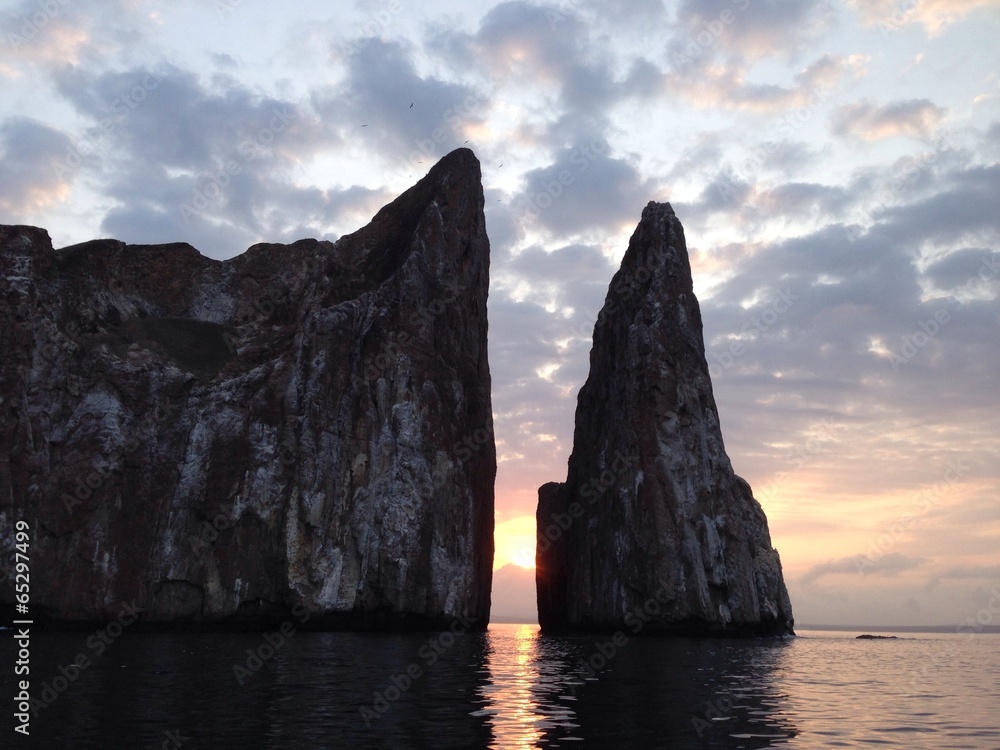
(652, 530)
(304, 425)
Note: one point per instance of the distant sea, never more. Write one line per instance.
(508, 688)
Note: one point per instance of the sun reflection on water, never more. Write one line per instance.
(521, 699)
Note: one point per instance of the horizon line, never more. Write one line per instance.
(960, 629)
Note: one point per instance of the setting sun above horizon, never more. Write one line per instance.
(515, 542)
(524, 559)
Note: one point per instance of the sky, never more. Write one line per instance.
(834, 164)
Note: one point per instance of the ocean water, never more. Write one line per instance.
(507, 688)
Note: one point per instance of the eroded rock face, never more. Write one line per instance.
(305, 425)
(652, 531)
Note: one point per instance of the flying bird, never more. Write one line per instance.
(411, 105)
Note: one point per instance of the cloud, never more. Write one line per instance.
(729, 84)
(958, 269)
(888, 566)
(584, 188)
(628, 13)
(988, 573)
(165, 116)
(751, 30)
(983, 572)
(728, 87)
(865, 121)
(933, 15)
(224, 61)
(828, 70)
(525, 341)
(554, 67)
(793, 198)
(30, 153)
(43, 34)
(565, 267)
(211, 164)
(962, 206)
(372, 106)
(571, 281)
(518, 39)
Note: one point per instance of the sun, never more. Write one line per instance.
(524, 558)
(515, 542)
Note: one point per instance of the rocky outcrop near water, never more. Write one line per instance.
(652, 531)
(304, 427)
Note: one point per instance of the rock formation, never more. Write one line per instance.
(652, 530)
(217, 443)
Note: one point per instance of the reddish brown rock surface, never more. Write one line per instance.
(652, 531)
(217, 442)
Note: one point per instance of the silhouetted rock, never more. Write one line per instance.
(305, 425)
(869, 637)
(652, 530)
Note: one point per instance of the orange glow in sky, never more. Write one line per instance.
(515, 542)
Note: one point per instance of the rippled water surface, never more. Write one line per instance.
(511, 688)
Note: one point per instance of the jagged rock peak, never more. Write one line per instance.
(302, 428)
(652, 529)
